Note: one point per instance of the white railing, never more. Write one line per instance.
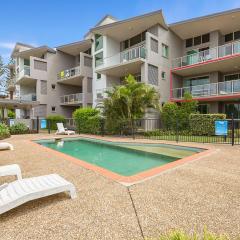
(124, 56)
(207, 55)
(24, 72)
(72, 98)
(102, 93)
(67, 73)
(208, 90)
(28, 97)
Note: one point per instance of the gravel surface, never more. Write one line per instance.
(201, 193)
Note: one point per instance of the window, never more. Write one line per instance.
(163, 75)
(26, 62)
(87, 61)
(205, 38)
(203, 108)
(39, 65)
(89, 51)
(228, 37)
(98, 59)
(237, 35)
(231, 77)
(152, 74)
(196, 81)
(98, 42)
(165, 50)
(43, 86)
(53, 86)
(53, 109)
(232, 108)
(99, 76)
(154, 45)
(197, 40)
(133, 41)
(189, 42)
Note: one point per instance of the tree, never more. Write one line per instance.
(128, 102)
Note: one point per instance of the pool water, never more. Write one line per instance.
(125, 159)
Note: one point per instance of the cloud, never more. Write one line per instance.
(7, 45)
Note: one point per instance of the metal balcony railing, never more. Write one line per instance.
(208, 90)
(64, 74)
(207, 55)
(72, 98)
(124, 56)
(24, 72)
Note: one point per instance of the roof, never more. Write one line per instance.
(208, 23)
(121, 30)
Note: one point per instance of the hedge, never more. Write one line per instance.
(19, 128)
(54, 119)
(87, 120)
(4, 131)
(204, 124)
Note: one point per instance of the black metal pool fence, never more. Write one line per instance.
(154, 128)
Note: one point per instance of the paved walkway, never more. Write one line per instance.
(201, 193)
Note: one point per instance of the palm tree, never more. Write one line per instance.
(128, 102)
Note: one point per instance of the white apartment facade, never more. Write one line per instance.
(200, 56)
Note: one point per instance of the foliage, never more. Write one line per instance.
(204, 124)
(4, 131)
(19, 128)
(128, 102)
(181, 235)
(54, 119)
(177, 116)
(87, 120)
(11, 114)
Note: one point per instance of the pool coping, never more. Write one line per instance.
(127, 180)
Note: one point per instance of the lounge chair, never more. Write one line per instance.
(6, 146)
(11, 170)
(62, 130)
(21, 191)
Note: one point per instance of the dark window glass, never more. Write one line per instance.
(197, 40)
(135, 40)
(203, 108)
(231, 77)
(144, 36)
(228, 37)
(189, 42)
(53, 109)
(205, 38)
(125, 44)
(237, 35)
(98, 76)
(234, 109)
(53, 86)
(26, 62)
(98, 42)
(98, 59)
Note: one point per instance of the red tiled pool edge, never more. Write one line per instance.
(131, 179)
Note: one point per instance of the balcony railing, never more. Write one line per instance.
(207, 55)
(72, 98)
(28, 97)
(101, 93)
(24, 72)
(123, 57)
(64, 74)
(208, 90)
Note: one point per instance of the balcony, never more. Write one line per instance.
(69, 76)
(212, 90)
(72, 99)
(128, 61)
(101, 93)
(206, 60)
(31, 97)
(23, 73)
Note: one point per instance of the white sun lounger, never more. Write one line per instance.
(6, 146)
(21, 191)
(11, 170)
(62, 130)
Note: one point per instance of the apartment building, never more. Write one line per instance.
(200, 56)
(59, 80)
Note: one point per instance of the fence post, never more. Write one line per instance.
(177, 137)
(49, 126)
(37, 124)
(232, 130)
(133, 129)
(102, 124)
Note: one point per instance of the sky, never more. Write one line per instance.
(58, 22)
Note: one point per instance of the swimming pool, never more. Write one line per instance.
(122, 159)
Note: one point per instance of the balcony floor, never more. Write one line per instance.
(26, 80)
(226, 64)
(122, 69)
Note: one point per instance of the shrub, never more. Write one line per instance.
(204, 124)
(169, 114)
(87, 120)
(54, 119)
(4, 131)
(19, 128)
(11, 114)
